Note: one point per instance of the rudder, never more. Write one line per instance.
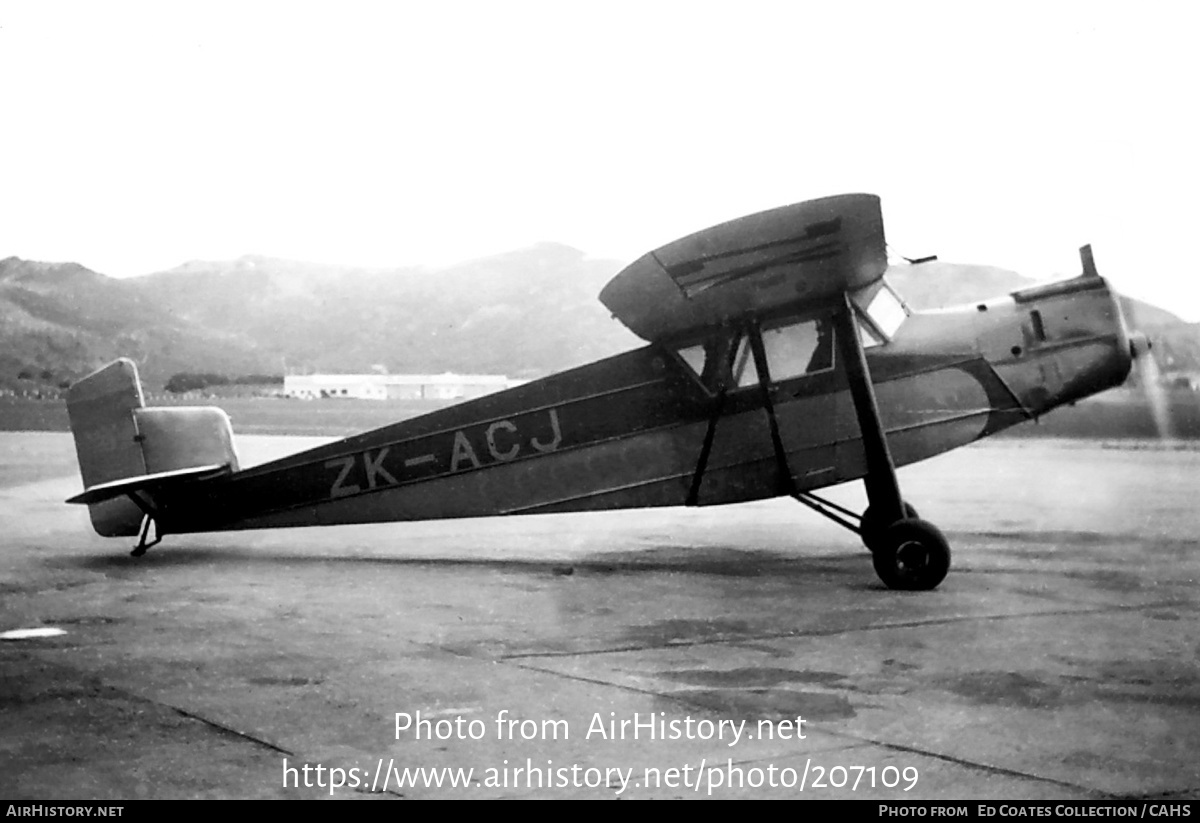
(101, 409)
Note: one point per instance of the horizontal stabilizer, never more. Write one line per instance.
(149, 482)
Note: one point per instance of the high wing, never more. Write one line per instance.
(805, 252)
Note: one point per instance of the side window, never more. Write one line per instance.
(745, 372)
(887, 311)
(799, 348)
(885, 314)
(868, 335)
(694, 356)
(708, 360)
(793, 349)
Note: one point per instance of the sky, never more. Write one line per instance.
(137, 136)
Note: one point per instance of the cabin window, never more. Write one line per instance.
(793, 349)
(887, 312)
(797, 349)
(708, 361)
(868, 335)
(745, 372)
(694, 357)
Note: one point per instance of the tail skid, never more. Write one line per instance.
(129, 454)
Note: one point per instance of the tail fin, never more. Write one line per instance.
(125, 448)
(101, 408)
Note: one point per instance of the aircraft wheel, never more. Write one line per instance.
(872, 527)
(912, 555)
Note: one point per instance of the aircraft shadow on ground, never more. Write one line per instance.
(708, 560)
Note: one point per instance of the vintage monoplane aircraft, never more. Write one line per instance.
(779, 362)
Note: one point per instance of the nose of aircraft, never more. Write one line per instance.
(1137, 344)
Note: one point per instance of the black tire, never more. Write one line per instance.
(871, 527)
(912, 555)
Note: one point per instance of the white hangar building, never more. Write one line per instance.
(394, 386)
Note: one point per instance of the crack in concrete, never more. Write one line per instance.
(516, 661)
(911, 624)
(218, 726)
(858, 740)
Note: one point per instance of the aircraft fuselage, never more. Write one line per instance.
(678, 423)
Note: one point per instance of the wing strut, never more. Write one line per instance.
(883, 490)
(710, 433)
(705, 450)
(786, 484)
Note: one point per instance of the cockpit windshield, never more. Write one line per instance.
(884, 308)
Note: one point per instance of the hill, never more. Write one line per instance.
(525, 313)
(60, 321)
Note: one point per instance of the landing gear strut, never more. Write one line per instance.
(149, 521)
(908, 553)
(144, 544)
(872, 525)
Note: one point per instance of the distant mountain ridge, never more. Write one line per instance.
(524, 313)
(60, 321)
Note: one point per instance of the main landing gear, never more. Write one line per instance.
(908, 553)
(911, 554)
